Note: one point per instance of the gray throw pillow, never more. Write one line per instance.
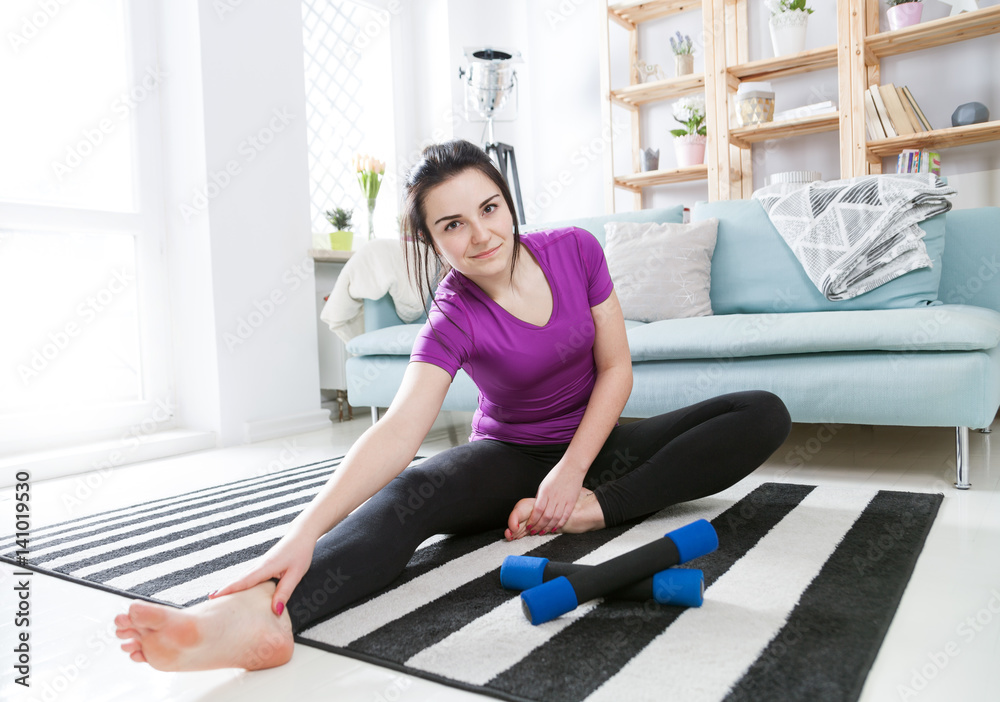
(661, 271)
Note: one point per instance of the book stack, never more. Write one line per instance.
(892, 111)
(917, 161)
(818, 108)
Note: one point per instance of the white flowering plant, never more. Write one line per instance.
(690, 111)
(778, 7)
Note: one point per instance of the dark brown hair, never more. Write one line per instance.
(438, 164)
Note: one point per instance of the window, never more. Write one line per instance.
(348, 66)
(81, 237)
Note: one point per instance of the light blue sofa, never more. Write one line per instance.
(923, 350)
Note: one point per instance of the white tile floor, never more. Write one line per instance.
(944, 643)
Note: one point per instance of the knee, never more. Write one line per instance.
(772, 414)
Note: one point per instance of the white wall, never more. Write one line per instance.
(241, 281)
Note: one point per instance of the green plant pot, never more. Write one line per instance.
(341, 240)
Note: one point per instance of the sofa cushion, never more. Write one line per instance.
(754, 270)
(971, 271)
(661, 271)
(937, 328)
(595, 225)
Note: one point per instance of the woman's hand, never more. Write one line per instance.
(557, 496)
(288, 560)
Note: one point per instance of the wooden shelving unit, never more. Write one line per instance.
(644, 93)
(678, 175)
(783, 66)
(865, 156)
(856, 56)
(937, 139)
(743, 137)
(939, 32)
(630, 15)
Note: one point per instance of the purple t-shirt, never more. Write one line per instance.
(534, 382)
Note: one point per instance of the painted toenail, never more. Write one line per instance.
(280, 608)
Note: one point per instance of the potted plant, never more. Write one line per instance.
(903, 13)
(342, 238)
(689, 143)
(788, 22)
(683, 49)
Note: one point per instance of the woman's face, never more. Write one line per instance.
(471, 226)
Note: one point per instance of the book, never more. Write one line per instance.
(872, 119)
(916, 108)
(933, 159)
(911, 114)
(883, 114)
(818, 108)
(917, 161)
(900, 122)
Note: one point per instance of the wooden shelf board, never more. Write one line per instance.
(814, 124)
(937, 139)
(643, 93)
(678, 175)
(330, 255)
(939, 32)
(781, 66)
(633, 13)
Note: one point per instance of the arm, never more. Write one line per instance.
(382, 452)
(560, 489)
(378, 456)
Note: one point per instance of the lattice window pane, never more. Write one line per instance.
(348, 104)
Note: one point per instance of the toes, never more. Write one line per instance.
(131, 646)
(146, 615)
(138, 657)
(127, 633)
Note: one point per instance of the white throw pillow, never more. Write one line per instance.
(661, 271)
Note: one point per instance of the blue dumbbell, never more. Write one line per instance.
(682, 587)
(556, 597)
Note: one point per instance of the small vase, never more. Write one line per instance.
(650, 159)
(685, 64)
(371, 219)
(904, 15)
(788, 32)
(690, 150)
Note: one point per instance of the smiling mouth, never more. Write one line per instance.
(487, 254)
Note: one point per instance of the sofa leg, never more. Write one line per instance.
(374, 415)
(962, 458)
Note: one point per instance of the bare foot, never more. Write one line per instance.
(587, 516)
(233, 631)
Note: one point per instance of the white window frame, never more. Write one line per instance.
(36, 431)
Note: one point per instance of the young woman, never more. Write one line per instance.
(536, 323)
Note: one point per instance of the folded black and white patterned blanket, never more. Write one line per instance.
(855, 234)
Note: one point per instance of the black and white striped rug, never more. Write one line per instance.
(798, 597)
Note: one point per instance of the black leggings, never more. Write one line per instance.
(643, 467)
